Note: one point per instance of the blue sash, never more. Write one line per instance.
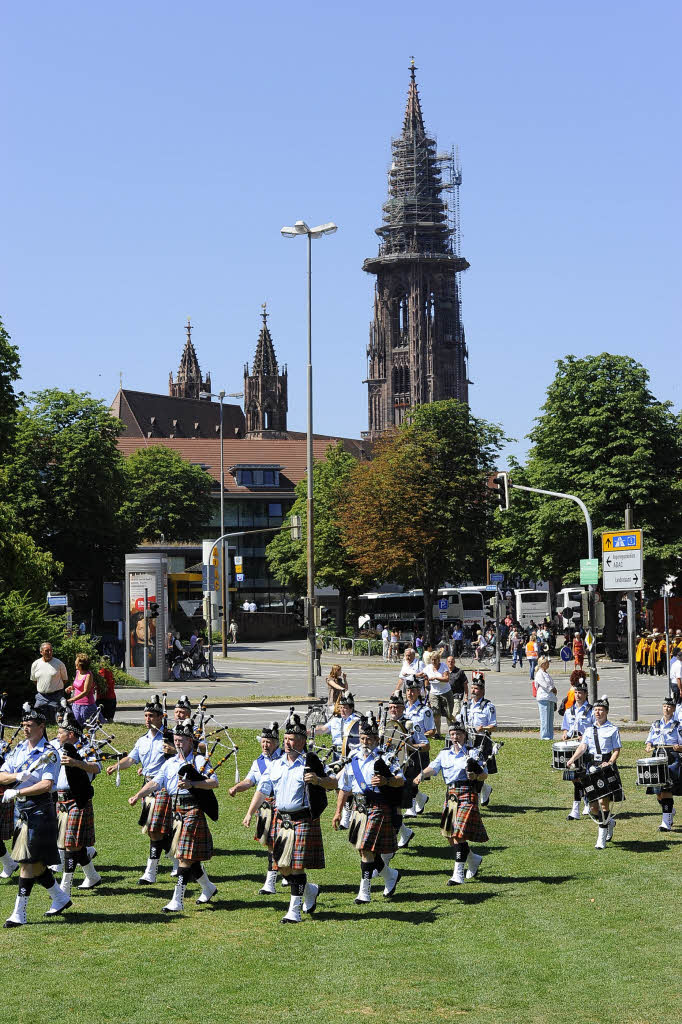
(364, 787)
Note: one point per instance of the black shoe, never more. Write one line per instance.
(54, 913)
(11, 924)
(570, 817)
(145, 881)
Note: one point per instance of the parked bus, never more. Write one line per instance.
(405, 610)
(532, 606)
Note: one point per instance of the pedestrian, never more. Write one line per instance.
(516, 645)
(50, 675)
(106, 690)
(83, 695)
(233, 632)
(546, 693)
(385, 642)
(532, 654)
(336, 684)
(578, 650)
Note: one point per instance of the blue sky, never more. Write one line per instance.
(154, 150)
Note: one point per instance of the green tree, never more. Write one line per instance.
(603, 436)
(24, 625)
(23, 565)
(66, 481)
(420, 512)
(9, 400)
(333, 565)
(165, 495)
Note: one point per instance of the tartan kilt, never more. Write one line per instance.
(379, 836)
(196, 841)
(80, 824)
(161, 816)
(6, 821)
(308, 851)
(466, 817)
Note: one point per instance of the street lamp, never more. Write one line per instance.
(301, 228)
(223, 589)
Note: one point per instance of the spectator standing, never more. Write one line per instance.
(532, 654)
(107, 691)
(49, 674)
(457, 641)
(83, 695)
(385, 642)
(516, 647)
(546, 697)
(441, 700)
(578, 650)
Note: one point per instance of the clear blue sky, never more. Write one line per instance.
(153, 151)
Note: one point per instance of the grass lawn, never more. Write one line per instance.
(552, 930)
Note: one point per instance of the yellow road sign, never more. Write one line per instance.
(622, 540)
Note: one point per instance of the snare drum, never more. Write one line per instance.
(653, 771)
(603, 782)
(562, 754)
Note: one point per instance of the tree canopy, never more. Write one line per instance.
(165, 496)
(603, 436)
(9, 400)
(420, 512)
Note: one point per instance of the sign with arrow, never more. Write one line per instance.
(622, 552)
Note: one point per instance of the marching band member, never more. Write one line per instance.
(419, 712)
(157, 814)
(372, 780)
(192, 838)
(270, 751)
(344, 734)
(480, 716)
(9, 866)
(461, 819)
(183, 709)
(404, 739)
(297, 781)
(601, 742)
(76, 817)
(31, 771)
(665, 732)
(576, 719)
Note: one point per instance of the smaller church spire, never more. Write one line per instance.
(265, 360)
(188, 383)
(413, 123)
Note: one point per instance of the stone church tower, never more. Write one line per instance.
(417, 351)
(265, 389)
(188, 383)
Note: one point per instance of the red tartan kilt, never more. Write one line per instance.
(80, 824)
(195, 842)
(379, 835)
(161, 816)
(6, 820)
(308, 852)
(467, 824)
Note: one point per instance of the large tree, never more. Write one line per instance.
(333, 565)
(66, 477)
(9, 400)
(165, 496)
(420, 512)
(603, 436)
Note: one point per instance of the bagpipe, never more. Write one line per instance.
(79, 782)
(94, 742)
(218, 737)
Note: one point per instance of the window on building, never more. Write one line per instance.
(275, 510)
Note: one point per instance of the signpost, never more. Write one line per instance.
(566, 654)
(497, 577)
(442, 604)
(589, 571)
(622, 560)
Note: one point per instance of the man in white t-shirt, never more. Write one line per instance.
(50, 676)
(385, 641)
(676, 677)
(441, 700)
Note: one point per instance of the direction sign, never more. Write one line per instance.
(589, 571)
(566, 653)
(497, 577)
(492, 587)
(622, 560)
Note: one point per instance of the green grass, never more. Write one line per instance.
(553, 930)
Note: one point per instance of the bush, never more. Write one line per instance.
(70, 645)
(24, 626)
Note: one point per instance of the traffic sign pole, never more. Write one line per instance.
(632, 635)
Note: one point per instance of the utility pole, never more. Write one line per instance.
(498, 654)
(146, 636)
(632, 634)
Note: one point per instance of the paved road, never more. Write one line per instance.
(279, 669)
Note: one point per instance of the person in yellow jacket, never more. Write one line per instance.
(662, 655)
(639, 654)
(651, 657)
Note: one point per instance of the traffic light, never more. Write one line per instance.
(500, 488)
(325, 616)
(295, 524)
(153, 612)
(300, 611)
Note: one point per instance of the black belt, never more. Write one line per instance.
(303, 814)
(367, 800)
(185, 803)
(42, 799)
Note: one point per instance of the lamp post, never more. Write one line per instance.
(301, 228)
(223, 589)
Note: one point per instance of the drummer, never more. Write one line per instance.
(601, 742)
(576, 719)
(665, 732)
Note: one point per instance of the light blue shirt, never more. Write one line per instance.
(394, 735)
(255, 771)
(365, 762)
(664, 734)
(609, 739)
(453, 766)
(576, 720)
(481, 713)
(339, 727)
(148, 751)
(62, 780)
(21, 759)
(167, 778)
(422, 715)
(284, 779)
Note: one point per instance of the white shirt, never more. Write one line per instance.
(49, 676)
(545, 686)
(438, 687)
(676, 671)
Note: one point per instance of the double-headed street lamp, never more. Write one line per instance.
(301, 228)
(220, 395)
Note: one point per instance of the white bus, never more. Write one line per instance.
(532, 606)
(405, 610)
(473, 608)
(569, 597)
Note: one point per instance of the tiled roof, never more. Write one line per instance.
(290, 454)
(144, 413)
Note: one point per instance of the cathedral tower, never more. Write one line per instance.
(265, 389)
(188, 383)
(417, 351)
